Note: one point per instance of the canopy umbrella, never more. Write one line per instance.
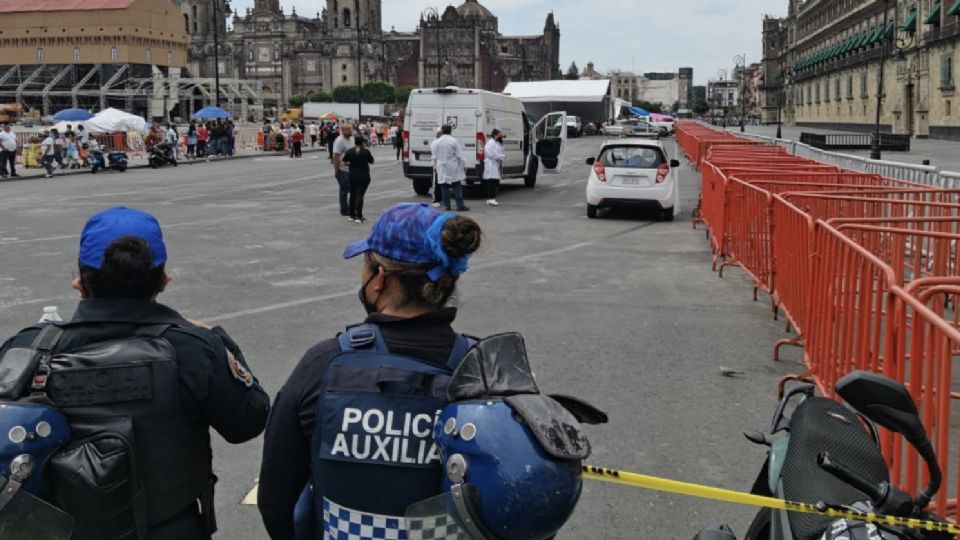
(637, 111)
(211, 112)
(331, 117)
(72, 115)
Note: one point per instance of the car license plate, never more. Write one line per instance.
(630, 180)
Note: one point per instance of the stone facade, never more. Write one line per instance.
(828, 57)
(289, 54)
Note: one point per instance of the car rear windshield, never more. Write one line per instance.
(632, 157)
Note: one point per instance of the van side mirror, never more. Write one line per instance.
(591, 161)
(674, 163)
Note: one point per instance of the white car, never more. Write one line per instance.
(633, 172)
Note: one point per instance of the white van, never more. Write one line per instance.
(473, 115)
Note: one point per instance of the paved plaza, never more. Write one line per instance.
(622, 311)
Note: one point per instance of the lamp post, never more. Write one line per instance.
(359, 70)
(780, 97)
(741, 62)
(875, 143)
(216, 49)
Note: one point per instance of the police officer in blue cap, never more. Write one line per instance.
(355, 420)
(141, 387)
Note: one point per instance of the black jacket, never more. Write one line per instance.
(359, 160)
(286, 449)
(175, 461)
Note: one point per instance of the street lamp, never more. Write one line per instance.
(359, 70)
(741, 62)
(875, 143)
(780, 98)
(216, 48)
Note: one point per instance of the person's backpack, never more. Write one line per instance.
(93, 475)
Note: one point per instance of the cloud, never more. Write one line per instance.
(637, 35)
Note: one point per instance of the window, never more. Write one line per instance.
(186, 23)
(863, 84)
(343, 67)
(169, 58)
(946, 109)
(946, 72)
(76, 54)
(850, 87)
(632, 157)
(344, 78)
(836, 89)
(40, 55)
(114, 53)
(826, 90)
(149, 56)
(346, 17)
(817, 87)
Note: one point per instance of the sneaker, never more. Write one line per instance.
(14, 175)
(362, 220)
(48, 175)
(463, 209)
(437, 205)
(492, 202)
(350, 218)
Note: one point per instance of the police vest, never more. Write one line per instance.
(372, 450)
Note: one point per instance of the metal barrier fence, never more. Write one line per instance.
(856, 141)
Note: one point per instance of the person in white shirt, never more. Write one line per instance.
(48, 151)
(395, 139)
(314, 130)
(437, 192)
(493, 165)
(343, 143)
(8, 152)
(451, 167)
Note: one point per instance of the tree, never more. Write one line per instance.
(319, 96)
(402, 95)
(297, 101)
(378, 92)
(573, 72)
(346, 94)
(269, 102)
(649, 107)
(701, 107)
(676, 107)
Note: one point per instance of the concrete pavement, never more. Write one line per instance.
(622, 311)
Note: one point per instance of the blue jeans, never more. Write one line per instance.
(457, 188)
(343, 179)
(48, 163)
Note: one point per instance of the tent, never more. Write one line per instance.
(74, 115)
(588, 99)
(637, 111)
(211, 112)
(114, 120)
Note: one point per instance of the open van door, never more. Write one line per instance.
(550, 142)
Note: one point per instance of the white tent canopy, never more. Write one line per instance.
(586, 91)
(114, 120)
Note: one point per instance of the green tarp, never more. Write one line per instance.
(910, 25)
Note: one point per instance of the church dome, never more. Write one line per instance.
(473, 8)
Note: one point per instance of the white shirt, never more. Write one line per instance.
(8, 141)
(448, 157)
(393, 132)
(314, 130)
(47, 146)
(493, 162)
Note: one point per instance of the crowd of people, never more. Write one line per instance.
(201, 139)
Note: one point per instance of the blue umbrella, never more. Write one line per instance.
(637, 111)
(211, 112)
(72, 115)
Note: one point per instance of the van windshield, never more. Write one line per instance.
(632, 157)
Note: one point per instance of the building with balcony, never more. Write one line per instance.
(828, 56)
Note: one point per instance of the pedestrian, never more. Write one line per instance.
(396, 140)
(267, 138)
(72, 159)
(343, 143)
(192, 140)
(67, 133)
(231, 142)
(332, 133)
(203, 135)
(140, 446)
(493, 166)
(296, 141)
(172, 139)
(58, 145)
(83, 134)
(214, 131)
(224, 138)
(359, 160)
(437, 190)
(372, 137)
(451, 168)
(8, 153)
(314, 130)
(412, 261)
(48, 151)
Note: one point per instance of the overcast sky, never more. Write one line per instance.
(637, 35)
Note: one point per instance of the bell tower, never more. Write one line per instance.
(343, 15)
(268, 6)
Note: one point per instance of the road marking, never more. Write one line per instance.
(251, 498)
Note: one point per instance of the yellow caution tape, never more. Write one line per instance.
(736, 497)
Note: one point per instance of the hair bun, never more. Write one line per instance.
(461, 236)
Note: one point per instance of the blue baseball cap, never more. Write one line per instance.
(106, 226)
(411, 233)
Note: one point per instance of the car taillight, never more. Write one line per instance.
(600, 171)
(481, 145)
(406, 145)
(662, 171)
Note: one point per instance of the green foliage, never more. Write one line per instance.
(676, 107)
(269, 102)
(346, 94)
(573, 72)
(649, 107)
(319, 96)
(701, 107)
(297, 101)
(378, 92)
(402, 94)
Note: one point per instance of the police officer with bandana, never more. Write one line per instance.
(355, 418)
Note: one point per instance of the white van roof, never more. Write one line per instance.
(454, 90)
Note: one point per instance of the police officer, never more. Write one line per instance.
(196, 378)
(360, 430)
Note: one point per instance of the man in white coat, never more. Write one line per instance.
(493, 166)
(451, 167)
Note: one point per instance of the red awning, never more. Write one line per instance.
(15, 6)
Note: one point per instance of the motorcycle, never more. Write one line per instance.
(162, 154)
(107, 160)
(829, 455)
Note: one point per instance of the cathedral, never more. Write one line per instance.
(292, 54)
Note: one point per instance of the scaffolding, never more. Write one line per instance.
(144, 90)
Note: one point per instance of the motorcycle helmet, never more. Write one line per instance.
(512, 456)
